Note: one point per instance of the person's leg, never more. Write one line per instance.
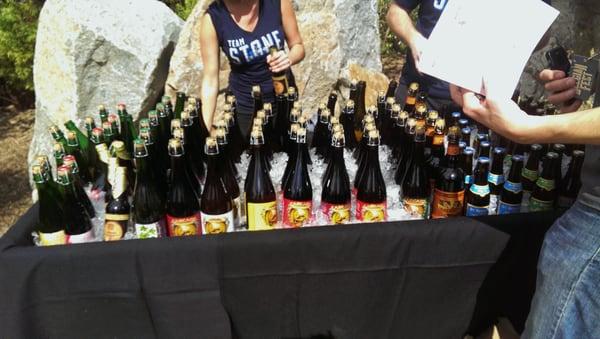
(567, 298)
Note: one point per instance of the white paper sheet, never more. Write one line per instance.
(485, 40)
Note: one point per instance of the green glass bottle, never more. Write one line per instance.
(50, 227)
(78, 184)
(75, 220)
(73, 148)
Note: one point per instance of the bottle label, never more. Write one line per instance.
(480, 190)
(179, 227)
(411, 100)
(280, 84)
(221, 223)
(468, 180)
(447, 204)
(296, 213)
(261, 216)
(417, 208)
(336, 214)
(545, 184)
(515, 187)
(529, 174)
(495, 179)
(536, 205)
(115, 226)
(368, 212)
(148, 231)
(53, 239)
(81, 238)
(476, 211)
(505, 208)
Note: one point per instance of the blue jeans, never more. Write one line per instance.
(567, 298)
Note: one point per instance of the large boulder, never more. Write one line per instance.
(92, 52)
(336, 34)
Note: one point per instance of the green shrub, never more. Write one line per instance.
(183, 8)
(390, 44)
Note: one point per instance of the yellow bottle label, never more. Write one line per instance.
(53, 239)
(261, 216)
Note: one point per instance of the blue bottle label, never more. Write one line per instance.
(468, 180)
(513, 187)
(504, 208)
(495, 179)
(476, 211)
(480, 190)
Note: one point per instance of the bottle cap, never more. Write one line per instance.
(291, 91)
(413, 86)
(433, 115)
(411, 125)
(256, 90)
(552, 155)
(578, 154)
(337, 128)
(97, 135)
(469, 151)
(179, 134)
(175, 147)
(175, 123)
(338, 140)
(101, 108)
(440, 125)
(144, 123)
(301, 135)
(89, 121)
(63, 175)
(517, 158)
(121, 106)
(483, 160)
(36, 170)
(139, 148)
(185, 118)
(396, 110)
(390, 101)
(559, 148)
(256, 138)
(349, 105)
(230, 99)
(373, 138)
(294, 131)
(536, 147)
(146, 136)
(381, 97)
(463, 122)
(113, 119)
(221, 136)
(211, 147)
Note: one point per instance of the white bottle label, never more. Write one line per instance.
(213, 224)
(148, 231)
(81, 238)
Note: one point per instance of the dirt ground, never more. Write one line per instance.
(16, 131)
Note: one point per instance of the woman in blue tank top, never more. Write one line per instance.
(244, 30)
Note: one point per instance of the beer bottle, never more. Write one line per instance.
(108, 133)
(82, 140)
(353, 92)
(297, 193)
(403, 143)
(261, 202)
(74, 150)
(411, 97)
(89, 127)
(420, 115)
(117, 210)
(463, 123)
(512, 191)
(78, 184)
(117, 150)
(178, 133)
(465, 136)
(127, 128)
(406, 159)
(530, 173)
(193, 145)
(435, 157)
(216, 206)
(148, 210)
(281, 122)
(75, 221)
(359, 109)
(151, 159)
(544, 193)
(478, 197)
(168, 107)
(199, 129)
(449, 195)
(454, 119)
(280, 81)
(258, 100)
(386, 119)
(46, 171)
(371, 196)
(180, 100)
(336, 196)
(391, 91)
(164, 128)
(331, 103)
(50, 226)
(381, 101)
(347, 121)
(559, 149)
(293, 135)
(496, 175)
(100, 183)
(430, 122)
(569, 190)
(319, 141)
(415, 187)
(103, 114)
(58, 153)
(334, 127)
(269, 127)
(114, 125)
(467, 166)
(236, 141)
(58, 135)
(362, 160)
(362, 144)
(183, 209)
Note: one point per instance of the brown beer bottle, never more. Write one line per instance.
(512, 191)
(319, 141)
(478, 197)
(331, 102)
(261, 201)
(297, 193)
(415, 187)
(229, 173)
(336, 196)
(449, 195)
(280, 81)
(183, 209)
(293, 154)
(391, 90)
(360, 109)
(216, 206)
(405, 160)
(347, 120)
(530, 173)
(399, 133)
(411, 97)
(545, 193)
(371, 196)
(117, 209)
(435, 157)
(362, 159)
(467, 166)
(152, 159)
(386, 119)
(180, 99)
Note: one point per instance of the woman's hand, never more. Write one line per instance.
(279, 62)
(561, 89)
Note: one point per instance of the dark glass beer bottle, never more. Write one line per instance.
(261, 201)
(467, 166)
(569, 190)
(403, 143)
(545, 193)
(168, 107)
(465, 136)
(391, 90)
(336, 196)
(435, 157)
(331, 103)
(183, 209)
(483, 151)
(362, 160)
(229, 173)
(258, 100)
(496, 175)
(559, 149)
(319, 141)
(117, 209)
(530, 173)
(152, 160)
(371, 196)
(415, 187)
(75, 221)
(292, 156)
(216, 206)
(281, 121)
(193, 145)
(420, 114)
(78, 184)
(124, 159)
(114, 125)
(360, 109)
(405, 160)
(386, 119)
(148, 210)
(432, 117)
(280, 81)
(512, 190)
(449, 194)
(164, 128)
(411, 97)
(478, 197)
(127, 128)
(180, 99)
(297, 193)
(50, 227)
(381, 100)
(347, 121)
(100, 183)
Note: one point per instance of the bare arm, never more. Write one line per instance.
(401, 24)
(284, 61)
(210, 78)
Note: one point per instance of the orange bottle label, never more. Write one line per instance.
(446, 204)
(336, 214)
(296, 213)
(179, 227)
(367, 212)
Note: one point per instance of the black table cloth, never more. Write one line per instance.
(418, 279)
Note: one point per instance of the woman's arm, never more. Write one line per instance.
(210, 79)
(284, 61)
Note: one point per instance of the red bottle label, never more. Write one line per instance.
(369, 212)
(296, 213)
(179, 227)
(447, 204)
(336, 214)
